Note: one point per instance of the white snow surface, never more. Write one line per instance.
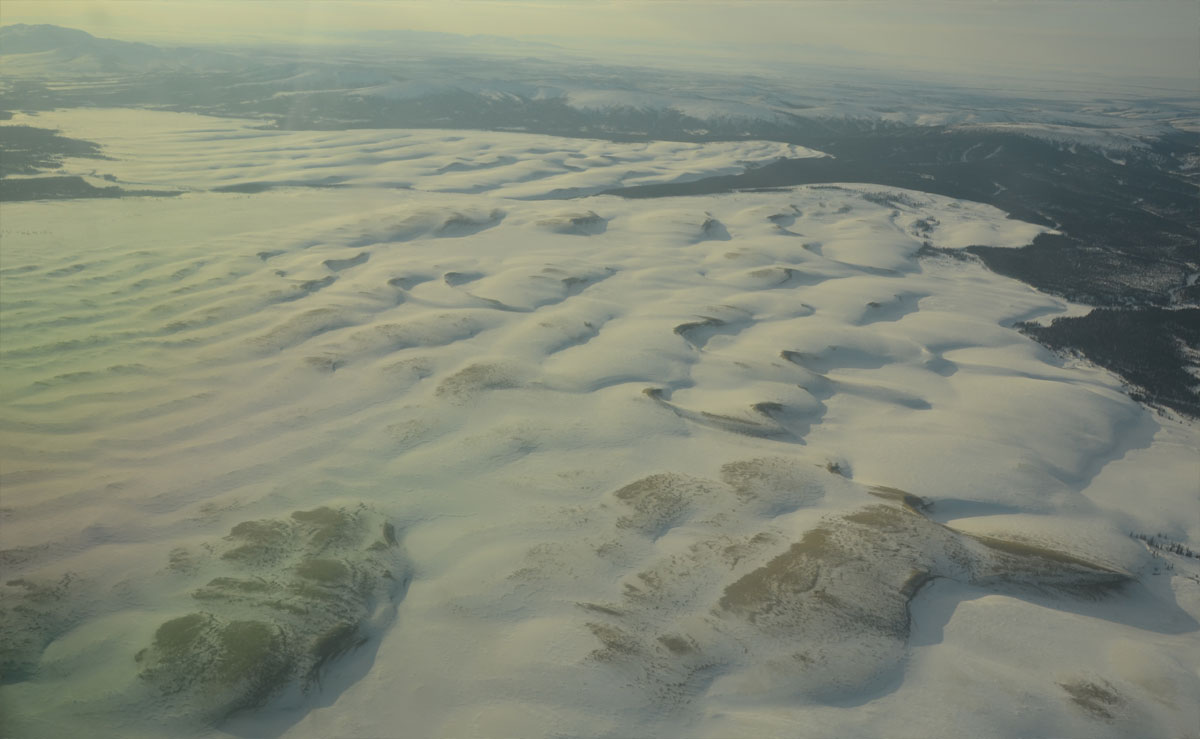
(1113, 139)
(157, 149)
(489, 371)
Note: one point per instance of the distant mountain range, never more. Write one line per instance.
(373, 78)
(27, 48)
(26, 39)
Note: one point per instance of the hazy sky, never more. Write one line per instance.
(1106, 37)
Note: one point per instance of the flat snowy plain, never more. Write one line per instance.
(634, 467)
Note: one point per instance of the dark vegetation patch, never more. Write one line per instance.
(1092, 274)
(26, 150)
(53, 188)
(1150, 348)
(1164, 550)
(33, 613)
(294, 595)
(1164, 543)
(830, 601)
(1099, 700)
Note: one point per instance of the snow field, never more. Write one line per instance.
(642, 457)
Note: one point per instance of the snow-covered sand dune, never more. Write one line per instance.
(200, 152)
(412, 463)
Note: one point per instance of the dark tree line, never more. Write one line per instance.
(1149, 348)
